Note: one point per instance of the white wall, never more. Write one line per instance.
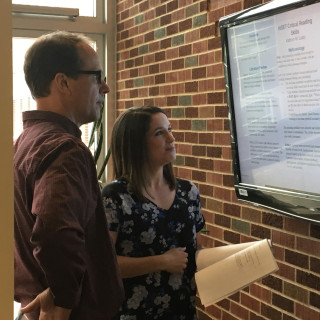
(6, 171)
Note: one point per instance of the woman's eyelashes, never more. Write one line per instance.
(162, 131)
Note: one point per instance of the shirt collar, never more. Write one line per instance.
(36, 115)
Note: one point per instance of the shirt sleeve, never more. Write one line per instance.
(64, 202)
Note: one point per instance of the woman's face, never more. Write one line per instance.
(160, 141)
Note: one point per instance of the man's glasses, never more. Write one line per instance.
(97, 73)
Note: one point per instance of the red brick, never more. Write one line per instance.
(311, 247)
(206, 112)
(177, 64)
(184, 75)
(173, 28)
(306, 313)
(191, 86)
(216, 97)
(228, 316)
(215, 232)
(199, 99)
(191, 112)
(214, 311)
(184, 173)
(191, 162)
(206, 85)
(206, 164)
(205, 138)
(222, 166)
(198, 176)
(207, 31)
(260, 293)
(192, 36)
(172, 53)
(209, 216)
(278, 252)
(226, 153)
(199, 150)
(219, 84)
(164, 90)
(198, 73)
(214, 178)
(178, 88)
(172, 76)
(185, 149)
(214, 124)
(222, 138)
(239, 311)
(223, 194)
(283, 239)
(185, 50)
(199, 47)
(297, 226)
(184, 124)
(207, 59)
(251, 214)
(185, 25)
(315, 265)
(214, 205)
(202, 316)
(215, 70)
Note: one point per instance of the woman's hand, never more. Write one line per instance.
(175, 260)
(48, 311)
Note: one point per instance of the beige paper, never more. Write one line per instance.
(240, 266)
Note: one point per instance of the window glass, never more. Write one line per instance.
(22, 99)
(86, 7)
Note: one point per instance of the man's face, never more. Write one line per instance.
(87, 91)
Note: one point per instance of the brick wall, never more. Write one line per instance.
(169, 55)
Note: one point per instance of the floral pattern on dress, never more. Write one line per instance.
(144, 229)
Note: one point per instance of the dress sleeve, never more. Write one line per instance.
(112, 206)
(194, 194)
(65, 198)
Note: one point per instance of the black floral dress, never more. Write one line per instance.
(144, 229)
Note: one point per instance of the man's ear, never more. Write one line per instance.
(62, 82)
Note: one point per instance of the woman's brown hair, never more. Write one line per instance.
(129, 149)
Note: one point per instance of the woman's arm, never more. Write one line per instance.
(173, 261)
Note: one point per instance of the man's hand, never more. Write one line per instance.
(48, 311)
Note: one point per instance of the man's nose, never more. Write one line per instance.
(104, 88)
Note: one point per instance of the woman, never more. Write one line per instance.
(153, 219)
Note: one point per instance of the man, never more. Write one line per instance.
(65, 265)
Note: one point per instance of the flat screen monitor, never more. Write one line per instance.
(271, 56)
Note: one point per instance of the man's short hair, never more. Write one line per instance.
(50, 54)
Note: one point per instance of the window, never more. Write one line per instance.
(28, 26)
(22, 99)
(86, 7)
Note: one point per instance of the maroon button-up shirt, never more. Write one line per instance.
(61, 235)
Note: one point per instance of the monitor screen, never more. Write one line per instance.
(271, 56)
